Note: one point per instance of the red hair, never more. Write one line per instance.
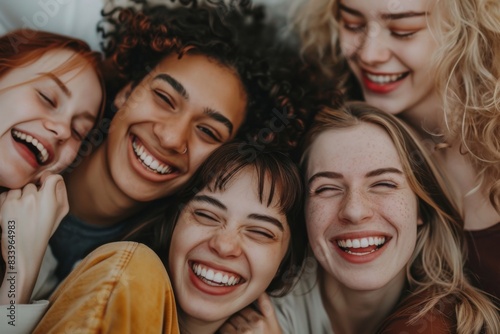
(24, 46)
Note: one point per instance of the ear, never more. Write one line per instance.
(123, 95)
(420, 222)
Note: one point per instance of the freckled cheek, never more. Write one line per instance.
(319, 217)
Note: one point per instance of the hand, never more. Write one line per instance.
(250, 321)
(28, 218)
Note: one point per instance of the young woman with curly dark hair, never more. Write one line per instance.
(187, 80)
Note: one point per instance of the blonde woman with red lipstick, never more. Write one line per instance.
(435, 65)
(51, 95)
(235, 231)
(386, 237)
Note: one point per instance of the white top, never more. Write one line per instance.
(302, 311)
(23, 318)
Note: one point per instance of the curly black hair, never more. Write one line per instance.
(279, 104)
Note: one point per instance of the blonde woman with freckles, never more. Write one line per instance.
(435, 65)
(385, 234)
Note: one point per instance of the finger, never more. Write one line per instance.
(44, 176)
(238, 322)
(30, 188)
(228, 328)
(266, 306)
(14, 194)
(3, 197)
(250, 314)
(50, 182)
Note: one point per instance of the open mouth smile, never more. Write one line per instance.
(34, 145)
(215, 277)
(362, 246)
(383, 79)
(150, 161)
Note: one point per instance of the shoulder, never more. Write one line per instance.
(440, 319)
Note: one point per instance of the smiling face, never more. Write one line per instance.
(361, 214)
(389, 49)
(170, 123)
(226, 249)
(45, 116)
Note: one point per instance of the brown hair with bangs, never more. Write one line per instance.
(285, 187)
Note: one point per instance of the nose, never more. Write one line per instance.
(173, 134)
(59, 126)
(226, 243)
(356, 207)
(373, 49)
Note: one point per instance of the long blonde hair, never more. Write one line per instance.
(466, 66)
(436, 265)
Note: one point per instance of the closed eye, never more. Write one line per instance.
(385, 184)
(164, 98)
(210, 133)
(205, 217)
(46, 99)
(259, 234)
(326, 190)
(354, 27)
(403, 35)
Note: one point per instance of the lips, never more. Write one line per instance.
(361, 246)
(34, 145)
(148, 160)
(383, 83)
(215, 277)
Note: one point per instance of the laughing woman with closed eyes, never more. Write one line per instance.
(233, 233)
(51, 96)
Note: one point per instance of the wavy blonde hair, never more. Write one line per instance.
(466, 66)
(437, 262)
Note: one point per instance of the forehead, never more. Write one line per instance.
(244, 187)
(373, 8)
(48, 62)
(361, 147)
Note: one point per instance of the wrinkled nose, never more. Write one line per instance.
(226, 244)
(355, 207)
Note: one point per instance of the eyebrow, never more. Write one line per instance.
(335, 175)
(59, 83)
(176, 85)
(385, 16)
(381, 171)
(267, 219)
(179, 88)
(328, 175)
(255, 216)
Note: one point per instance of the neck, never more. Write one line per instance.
(358, 312)
(427, 118)
(93, 196)
(190, 325)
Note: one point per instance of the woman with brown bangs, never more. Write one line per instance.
(52, 96)
(386, 237)
(235, 231)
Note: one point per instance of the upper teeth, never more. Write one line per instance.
(363, 242)
(384, 78)
(43, 154)
(214, 275)
(149, 160)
